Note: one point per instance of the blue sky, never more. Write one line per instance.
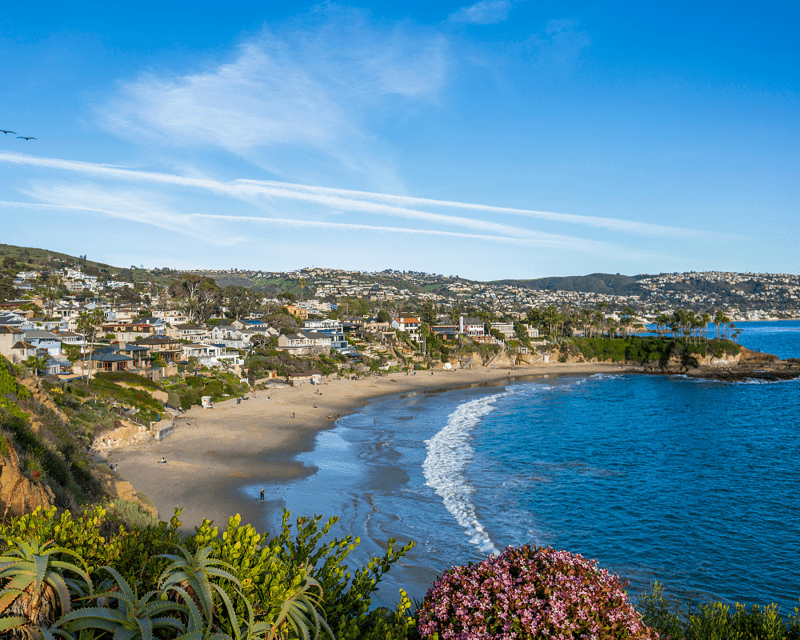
(490, 140)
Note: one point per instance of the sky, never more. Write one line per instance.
(497, 139)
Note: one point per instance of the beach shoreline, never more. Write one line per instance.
(214, 453)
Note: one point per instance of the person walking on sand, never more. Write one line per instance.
(261, 495)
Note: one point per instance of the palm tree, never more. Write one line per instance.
(719, 321)
(38, 363)
(600, 321)
(706, 318)
(662, 320)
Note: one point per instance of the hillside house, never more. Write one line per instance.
(46, 340)
(410, 325)
(185, 331)
(169, 349)
(445, 331)
(127, 332)
(9, 337)
(506, 328)
(210, 355)
(305, 343)
(471, 327)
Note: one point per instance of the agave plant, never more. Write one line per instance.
(127, 616)
(191, 574)
(35, 590)
(301, 613)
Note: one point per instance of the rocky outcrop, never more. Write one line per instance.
(124, 435)
(124, 490)
(20, 494)
(745, 365)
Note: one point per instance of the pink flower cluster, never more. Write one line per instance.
(530, 592)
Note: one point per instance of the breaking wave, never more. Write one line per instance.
(449, 453)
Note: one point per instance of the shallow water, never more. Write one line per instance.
(689, 482)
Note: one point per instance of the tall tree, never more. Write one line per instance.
(240, 301)
(427, 313)
(719, 321)
(89, 322)
(200, 296)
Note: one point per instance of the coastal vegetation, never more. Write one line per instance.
(77, 575)
(645, 349)
(62, 576)
(46, 447)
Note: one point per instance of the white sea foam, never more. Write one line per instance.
(449, 454)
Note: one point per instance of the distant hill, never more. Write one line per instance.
(608, 283)
(44, 258)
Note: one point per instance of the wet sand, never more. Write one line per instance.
(215, 452)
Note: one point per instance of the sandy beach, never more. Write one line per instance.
(214, 452)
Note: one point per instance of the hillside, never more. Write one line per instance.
(34, 258)
(611, 284)
(45, 454)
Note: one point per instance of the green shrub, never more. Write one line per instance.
(271, 584)
(270, 571)
(715, 621)
(130, 515)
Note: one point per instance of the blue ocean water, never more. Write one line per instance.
(691, 483)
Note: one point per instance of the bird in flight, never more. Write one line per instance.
(27, 137)
(4, 131)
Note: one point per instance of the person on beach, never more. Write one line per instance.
(261, 495)
(162, 461)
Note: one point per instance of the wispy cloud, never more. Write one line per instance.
(484, 12)
(132, 207)
(369, 203)
(301, 88)
(123, 204)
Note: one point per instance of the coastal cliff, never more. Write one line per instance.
(717, 360)
(745, 365)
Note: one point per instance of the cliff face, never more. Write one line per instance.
(44, 457)
(20, 494)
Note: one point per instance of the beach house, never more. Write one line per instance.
(305, 343)
(409, 325)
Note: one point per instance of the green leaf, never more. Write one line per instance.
(12, 622)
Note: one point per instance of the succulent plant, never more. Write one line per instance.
(529, 592)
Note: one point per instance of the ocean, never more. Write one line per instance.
(692, 483)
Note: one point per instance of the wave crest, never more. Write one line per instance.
(449, 454)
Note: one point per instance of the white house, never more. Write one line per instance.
(506, 328)
(210, 355)
(409, 325)
(185, 331)
(472, 327)
(46, 340)
(305, 342)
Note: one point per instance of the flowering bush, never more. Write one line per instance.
(527, 593)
